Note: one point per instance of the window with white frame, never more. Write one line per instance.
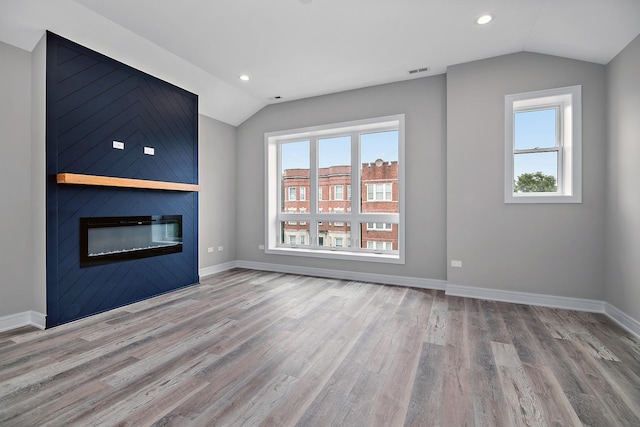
(543, 146)
(353, 155)
(379, 192)
(380, 226)
(292, 193)
(380, 246)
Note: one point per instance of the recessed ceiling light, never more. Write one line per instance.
(484, 19)
(244, 78)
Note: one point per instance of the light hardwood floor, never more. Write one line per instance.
(256, 348)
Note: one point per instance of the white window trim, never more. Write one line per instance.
(569, 99)
(272, 192)
(384, 192)
(374, 243)
(384, 227)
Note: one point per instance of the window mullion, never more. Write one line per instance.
(355, 188)
(313, 189)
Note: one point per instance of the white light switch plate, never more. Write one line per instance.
(118, 145)
(149, 150)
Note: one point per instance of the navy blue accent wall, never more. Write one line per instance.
(93, 100)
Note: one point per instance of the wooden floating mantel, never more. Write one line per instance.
(108, 181)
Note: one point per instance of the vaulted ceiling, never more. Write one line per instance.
(301, 48)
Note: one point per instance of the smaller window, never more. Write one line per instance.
(384, 226)
(348, 192)
(303, 240)
(338, 242)
(292, 193)
(319, 193)
(543, 146)
(303, 193)
(380, 246)
(292, 240)
(379, 192)
(338, 192)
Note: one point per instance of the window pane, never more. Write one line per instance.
(330, 232)
(379, 159)
(295, 234)
(535, 129)
(535, 172)
(379, 235)
(295, 175)
(334, 173)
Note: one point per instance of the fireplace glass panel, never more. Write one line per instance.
(112, 239)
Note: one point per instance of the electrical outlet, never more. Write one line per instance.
(210, 249)
(118, 145)
(220, 248)
(456, 263)
(150, 151)
(260, 246)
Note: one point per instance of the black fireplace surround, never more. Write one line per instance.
(105, 240)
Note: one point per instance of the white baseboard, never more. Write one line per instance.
(215, 269)
(594, 306)
(26, 318)
(579, 304)
(623, 319)
(414, 282)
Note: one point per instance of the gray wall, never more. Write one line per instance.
(622, 287)
(555, 249)
(16, 290)
(423, 101)
(216, 202)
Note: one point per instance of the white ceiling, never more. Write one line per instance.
(297, 50)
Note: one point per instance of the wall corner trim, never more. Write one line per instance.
(542, 300)
(26, 318)
(215, 269)
(623, 319)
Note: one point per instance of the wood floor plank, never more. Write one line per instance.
(523, 406)
(249, 347)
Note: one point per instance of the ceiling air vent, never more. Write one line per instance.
(419, 70)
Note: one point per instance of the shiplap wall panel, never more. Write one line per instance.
(93, 100)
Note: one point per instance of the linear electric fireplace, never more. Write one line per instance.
(113, 239)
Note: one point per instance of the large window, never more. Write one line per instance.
(360, 164)
(543, 146)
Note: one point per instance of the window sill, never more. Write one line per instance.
(337, 254)
(541, 198)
